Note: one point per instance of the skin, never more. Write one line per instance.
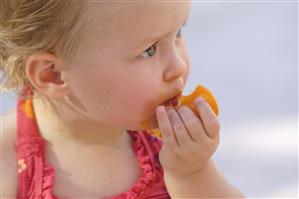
(111, 66)
(113, 84)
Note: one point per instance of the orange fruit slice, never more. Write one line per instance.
(203, 92)
(199, 91)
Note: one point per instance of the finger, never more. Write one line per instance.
(179, 128)
(208, 118)
(192, 123)
(165, 127)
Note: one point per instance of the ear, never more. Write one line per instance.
(47, 74)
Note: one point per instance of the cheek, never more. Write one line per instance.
(150, 100)
(90, 91)
(144, 98)
(117, 100)
(121, 104)
(140, 102)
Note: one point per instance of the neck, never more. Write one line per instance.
(71, 127)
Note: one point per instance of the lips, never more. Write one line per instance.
(173, 101)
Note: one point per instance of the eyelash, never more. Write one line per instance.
(154, 48)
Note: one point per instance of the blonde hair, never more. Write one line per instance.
(28, 26)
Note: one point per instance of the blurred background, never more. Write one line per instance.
(245, 52)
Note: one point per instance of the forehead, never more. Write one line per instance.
(137, 19)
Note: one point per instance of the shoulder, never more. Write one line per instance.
(8, 155)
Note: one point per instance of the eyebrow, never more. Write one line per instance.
(151, 39)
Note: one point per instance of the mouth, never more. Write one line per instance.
(174, 102)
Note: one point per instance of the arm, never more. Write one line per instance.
(206, 183)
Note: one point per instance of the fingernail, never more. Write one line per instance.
(199, 100)
(160, 109)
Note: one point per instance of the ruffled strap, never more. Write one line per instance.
(152, 175)
(35, 176)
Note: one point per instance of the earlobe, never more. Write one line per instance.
(47, 75)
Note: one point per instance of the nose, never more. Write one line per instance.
(177, 65)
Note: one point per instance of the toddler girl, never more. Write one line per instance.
(93, 77)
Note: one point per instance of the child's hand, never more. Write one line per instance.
(188, 140)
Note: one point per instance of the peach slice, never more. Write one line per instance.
(189, 101)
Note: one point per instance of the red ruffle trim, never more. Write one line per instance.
(38, 178)
(147, 163)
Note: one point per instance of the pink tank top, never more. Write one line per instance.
(36, 177)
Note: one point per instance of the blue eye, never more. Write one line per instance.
(150, 52)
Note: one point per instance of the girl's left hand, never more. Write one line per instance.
(188, 140)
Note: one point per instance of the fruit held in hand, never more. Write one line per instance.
(202, 92)
(189, 101)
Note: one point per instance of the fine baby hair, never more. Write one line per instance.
(27, 26)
